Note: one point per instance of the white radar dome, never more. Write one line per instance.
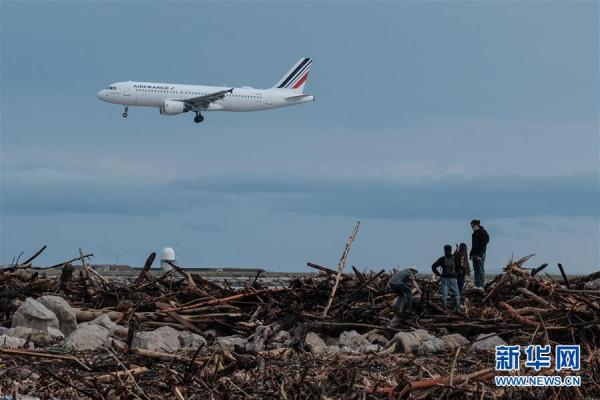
(167, 254)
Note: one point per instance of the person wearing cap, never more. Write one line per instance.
(480, 240)
(402, 283)
(447, 263)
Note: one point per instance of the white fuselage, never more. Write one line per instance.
(150, 94)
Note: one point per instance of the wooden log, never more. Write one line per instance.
(564, 276)
(585, 278)
(33, 257)
(532, 296)
(202, 317)
(341, 265)
(144, 272)
(157, 355)
(31, 353)
(63, 263)
(85, 269)
(229, 299)
(424, 384)
(326, 270)
(496, 288)
(177, 318)
(348, 325)
(535, 271)
(516, 316)
(110, 377)
(190, 283)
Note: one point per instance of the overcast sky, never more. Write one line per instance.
(427, 115)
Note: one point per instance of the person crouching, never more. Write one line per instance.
(402, 283)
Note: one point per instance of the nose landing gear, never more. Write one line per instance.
(198, 118)
(125, 112)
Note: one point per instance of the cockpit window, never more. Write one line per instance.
(112, 88)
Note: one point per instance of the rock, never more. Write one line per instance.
(88, 336)
(282, 337)
(488, 344)
(55, 333)
(165, 339)
(104, 321)
(229, 342)
(376, 338)
(353, 339)
(255, 342)
(10, 342)
(419, 341)
(314, 343)
(209, 334)
(33, 314)
(189, 339)
(332, 349)
(38, 338)
(592, 285)
(67, 317)
(3, 330)
(454, 340)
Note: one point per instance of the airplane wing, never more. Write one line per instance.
(207, 98)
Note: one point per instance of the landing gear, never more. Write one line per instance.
(125, 112)
(198, 118)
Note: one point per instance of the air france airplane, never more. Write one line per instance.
(173, 98)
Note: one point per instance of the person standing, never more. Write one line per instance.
(448, 276)
(402, 283)
(463, 268)
(480, 239)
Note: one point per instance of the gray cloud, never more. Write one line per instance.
(448, 197)
(97, 198)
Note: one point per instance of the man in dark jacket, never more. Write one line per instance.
(402, 283)
(448, 276)
(480, 239)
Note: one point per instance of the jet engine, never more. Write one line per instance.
(172, 107)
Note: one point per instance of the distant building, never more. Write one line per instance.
(167, 254)
(111, 267)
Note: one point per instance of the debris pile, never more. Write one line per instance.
(178, 335)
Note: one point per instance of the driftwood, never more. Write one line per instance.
(341, 265)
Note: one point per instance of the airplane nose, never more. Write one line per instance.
(101, 94)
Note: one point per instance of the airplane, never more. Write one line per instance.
(173, 98)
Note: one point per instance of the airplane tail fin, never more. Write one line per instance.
(296, 77)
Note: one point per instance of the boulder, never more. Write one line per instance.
(10, 342)
(376, 338)
(67, 317)
(489, 344)
(454, 340)
(38, 338)
(164, 339)
(104, 321)
(592, 285)
(189, 339)
(419, 342)
(88, 336)
(314, 343)
(229, 342)
(353, 340)
(33, 314)
(282, 337)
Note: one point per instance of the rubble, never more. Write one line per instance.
(178, 335)
(418, 341)
(67, 318)
(164, 339)
(33, 314)
(88, 336)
